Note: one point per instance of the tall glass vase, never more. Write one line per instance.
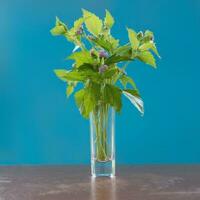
(102, 132)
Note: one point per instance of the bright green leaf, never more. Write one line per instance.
(140, 35)
(70, 87)
(69, 90)
(87, 99)
(126, 79)
(133, 38)
(116, 58)
(114, 42)
(81, 58)
(112, 96)
(70, 75)
(102, 42)
(60, 73)
(149, 33)
(109, 20)
(78, 23)
(147, 57)
(79, 97)
(123, 50)
(59, 29)
(78, 75)
(149, 45)
(109, 73)
(146, 46)
(154, 49)
(148, 36)
(85, 67)
(92, 22)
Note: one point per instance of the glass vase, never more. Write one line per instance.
(102, 136)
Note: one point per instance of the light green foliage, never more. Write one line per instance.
(60, 73)
(133, 38)
(146, 46)
(109, 20)
(59, 29)
(154, 49)
(147, 57)
(78, 23)
(102, 42)
(112, 96)
(127, 80)
(87, 99)
(70, 87)
(96, 66)
(76, 75)
(81, 57)
(149, 46)
(92, 22)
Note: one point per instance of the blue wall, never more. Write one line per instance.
(39, 126)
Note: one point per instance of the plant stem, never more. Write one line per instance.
(100, 122)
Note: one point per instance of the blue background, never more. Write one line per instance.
(38, 125)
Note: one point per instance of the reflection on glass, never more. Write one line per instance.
(103, 188)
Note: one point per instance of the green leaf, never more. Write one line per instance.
(81, 58)
(148, 36)
(112, 96)
(147, 57)
(82, 76)
(109, 73)
(123, 50)
(76, 76)
(109, 20)
(79, 97)
(135, 99)
(126, 79)
(60, 73)
(154, 49)
(93, 23)
(87, 99)
(59, 29)
(140, 35)
(70, 87)
(70, 75)
(114, 42)
(85, 67)
(146, 46)
(116, 58)
(91, 98)
(149, 33)
(78, 23)
(69, 90)
(133, 92)
(149, 45)
(133, 38)
(102, 43)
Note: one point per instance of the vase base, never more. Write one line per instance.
(103, 168)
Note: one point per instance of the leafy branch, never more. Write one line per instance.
(96, 56)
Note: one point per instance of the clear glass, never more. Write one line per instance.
(102, 132)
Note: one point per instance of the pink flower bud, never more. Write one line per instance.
(102, 68)
(103, 54)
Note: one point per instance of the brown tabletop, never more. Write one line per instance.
(75, 183)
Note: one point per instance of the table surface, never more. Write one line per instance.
(74, 183)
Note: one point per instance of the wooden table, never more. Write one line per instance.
(75, 183)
